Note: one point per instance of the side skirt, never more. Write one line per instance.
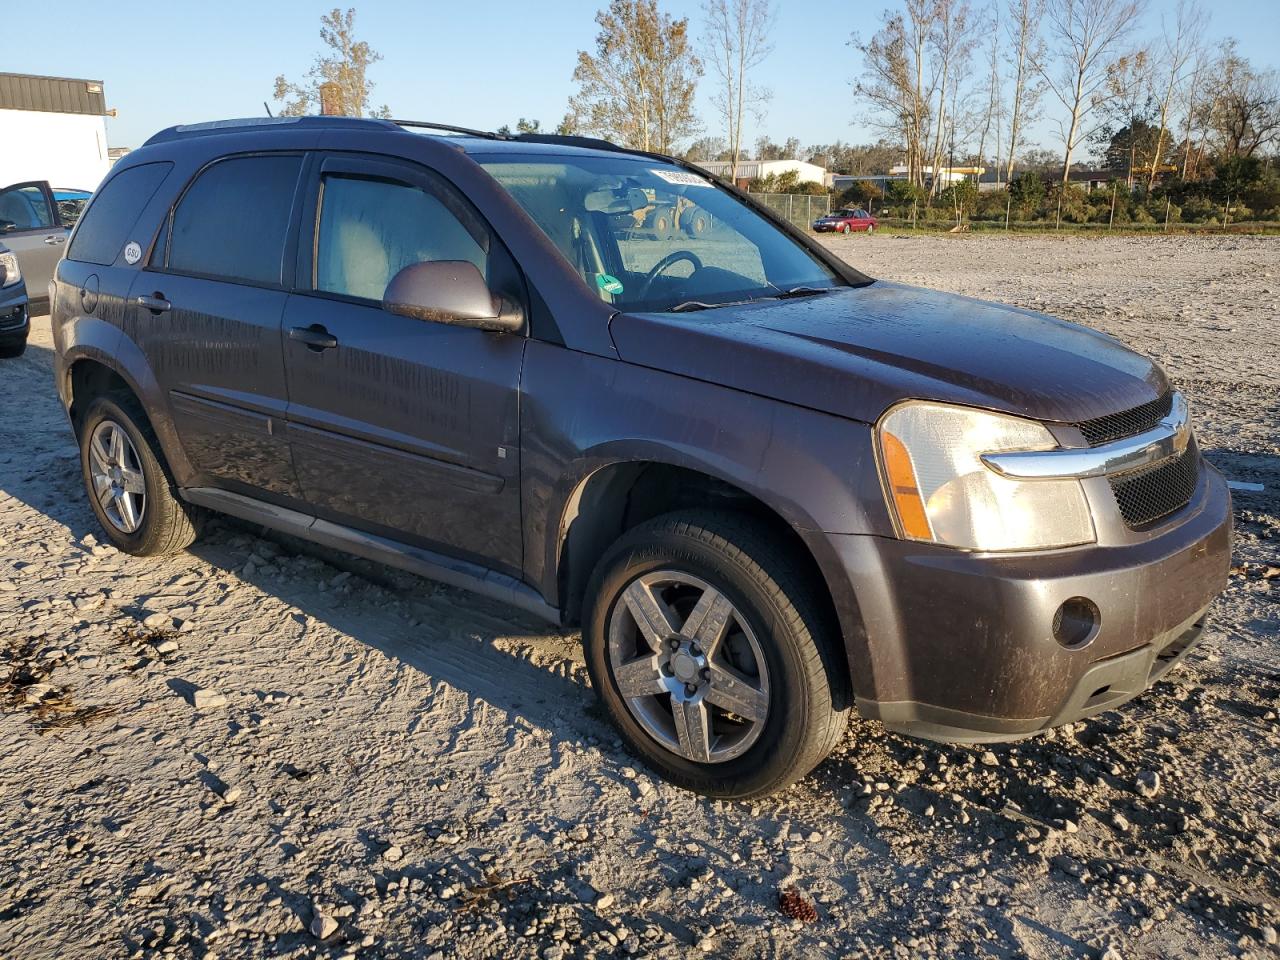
(425, 563)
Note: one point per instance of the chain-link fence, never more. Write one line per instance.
(801, 209)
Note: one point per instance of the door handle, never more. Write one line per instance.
(156, 303)
(316, 337)
(55, 239)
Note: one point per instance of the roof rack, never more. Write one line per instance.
(183, 131)
(451, 128)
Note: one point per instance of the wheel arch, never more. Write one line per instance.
(616, 495)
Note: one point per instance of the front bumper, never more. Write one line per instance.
(960, 646)
(15, 319)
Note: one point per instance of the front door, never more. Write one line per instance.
(31, 228)
(207, 313)
(402, 427)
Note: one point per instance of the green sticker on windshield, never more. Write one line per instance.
(608, 283)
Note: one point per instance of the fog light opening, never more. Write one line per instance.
(1076, 623)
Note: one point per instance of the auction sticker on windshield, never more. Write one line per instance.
(682, 179)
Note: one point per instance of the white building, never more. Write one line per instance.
(751, 169)
(52, 128)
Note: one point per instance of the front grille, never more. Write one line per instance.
(1127, 423)
(1145, 496)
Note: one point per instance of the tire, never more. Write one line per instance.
(775, 615)
(845, 229)
(165, 524)
(696, 223)
(871, 228)
(12, 351)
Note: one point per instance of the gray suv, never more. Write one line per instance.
(769, 488)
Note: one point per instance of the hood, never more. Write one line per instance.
(858, 351)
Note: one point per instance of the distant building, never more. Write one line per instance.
(749, 170)
(52, 128)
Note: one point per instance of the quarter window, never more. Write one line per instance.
(114, 212)
(232, 222)
(371, 229)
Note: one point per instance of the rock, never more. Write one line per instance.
(154, 621)
(989, 759)
(1069, 865)
(392, 854)
(1148, 783)
(231, 794)
(206, 698)
(1269, 935)
(1120, 823)
(1112, 953)
(323, 926)
(166, 646)
(604, 901)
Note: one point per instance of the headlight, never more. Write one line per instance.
(940, 491)
(9, 272)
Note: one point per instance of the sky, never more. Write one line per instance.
(478, 64)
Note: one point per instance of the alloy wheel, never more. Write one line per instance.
(688, 666)
(117, 477)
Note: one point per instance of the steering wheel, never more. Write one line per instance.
(661, 265)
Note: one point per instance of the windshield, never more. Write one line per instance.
(652, 236)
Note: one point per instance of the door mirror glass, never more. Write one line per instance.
(450, 291)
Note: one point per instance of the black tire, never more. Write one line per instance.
(12, 351)
(871, 228)
(845, 229)
(809, 702)
(168, 524)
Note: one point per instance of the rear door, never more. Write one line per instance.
(207, 313)
(31, 228)
(399, 426)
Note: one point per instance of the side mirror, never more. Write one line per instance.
(450, 291)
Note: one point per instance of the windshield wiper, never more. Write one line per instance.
(802, 292)
(690, 305)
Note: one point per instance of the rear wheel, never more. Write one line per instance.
(712, 655)
(871, 228)
(129, 488)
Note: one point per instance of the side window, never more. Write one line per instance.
(232, 222)
(113, 213)
(371, 229)
(24, 208)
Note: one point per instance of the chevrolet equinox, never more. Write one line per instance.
(769, 488)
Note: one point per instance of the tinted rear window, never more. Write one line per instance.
(115, 209)
(231, 223)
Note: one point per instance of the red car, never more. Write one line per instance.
(845, 221)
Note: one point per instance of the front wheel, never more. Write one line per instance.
(713, 656)
(871, 228)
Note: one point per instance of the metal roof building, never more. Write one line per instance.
(53, 128)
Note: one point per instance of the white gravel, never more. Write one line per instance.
(400, 769)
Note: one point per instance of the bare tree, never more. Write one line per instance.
(951, 44)
(1086, 40)
(994, 102)
(638, 87)
(1177, 55)
(737, 41)
(344, 67)
(1023, 32)
(1243, 114)
(899, 80)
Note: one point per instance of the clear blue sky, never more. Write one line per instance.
(477, 64)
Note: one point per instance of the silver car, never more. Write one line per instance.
(35, 221)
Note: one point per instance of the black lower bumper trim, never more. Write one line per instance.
(1103, 686)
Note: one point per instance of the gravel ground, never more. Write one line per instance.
(259, 749)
